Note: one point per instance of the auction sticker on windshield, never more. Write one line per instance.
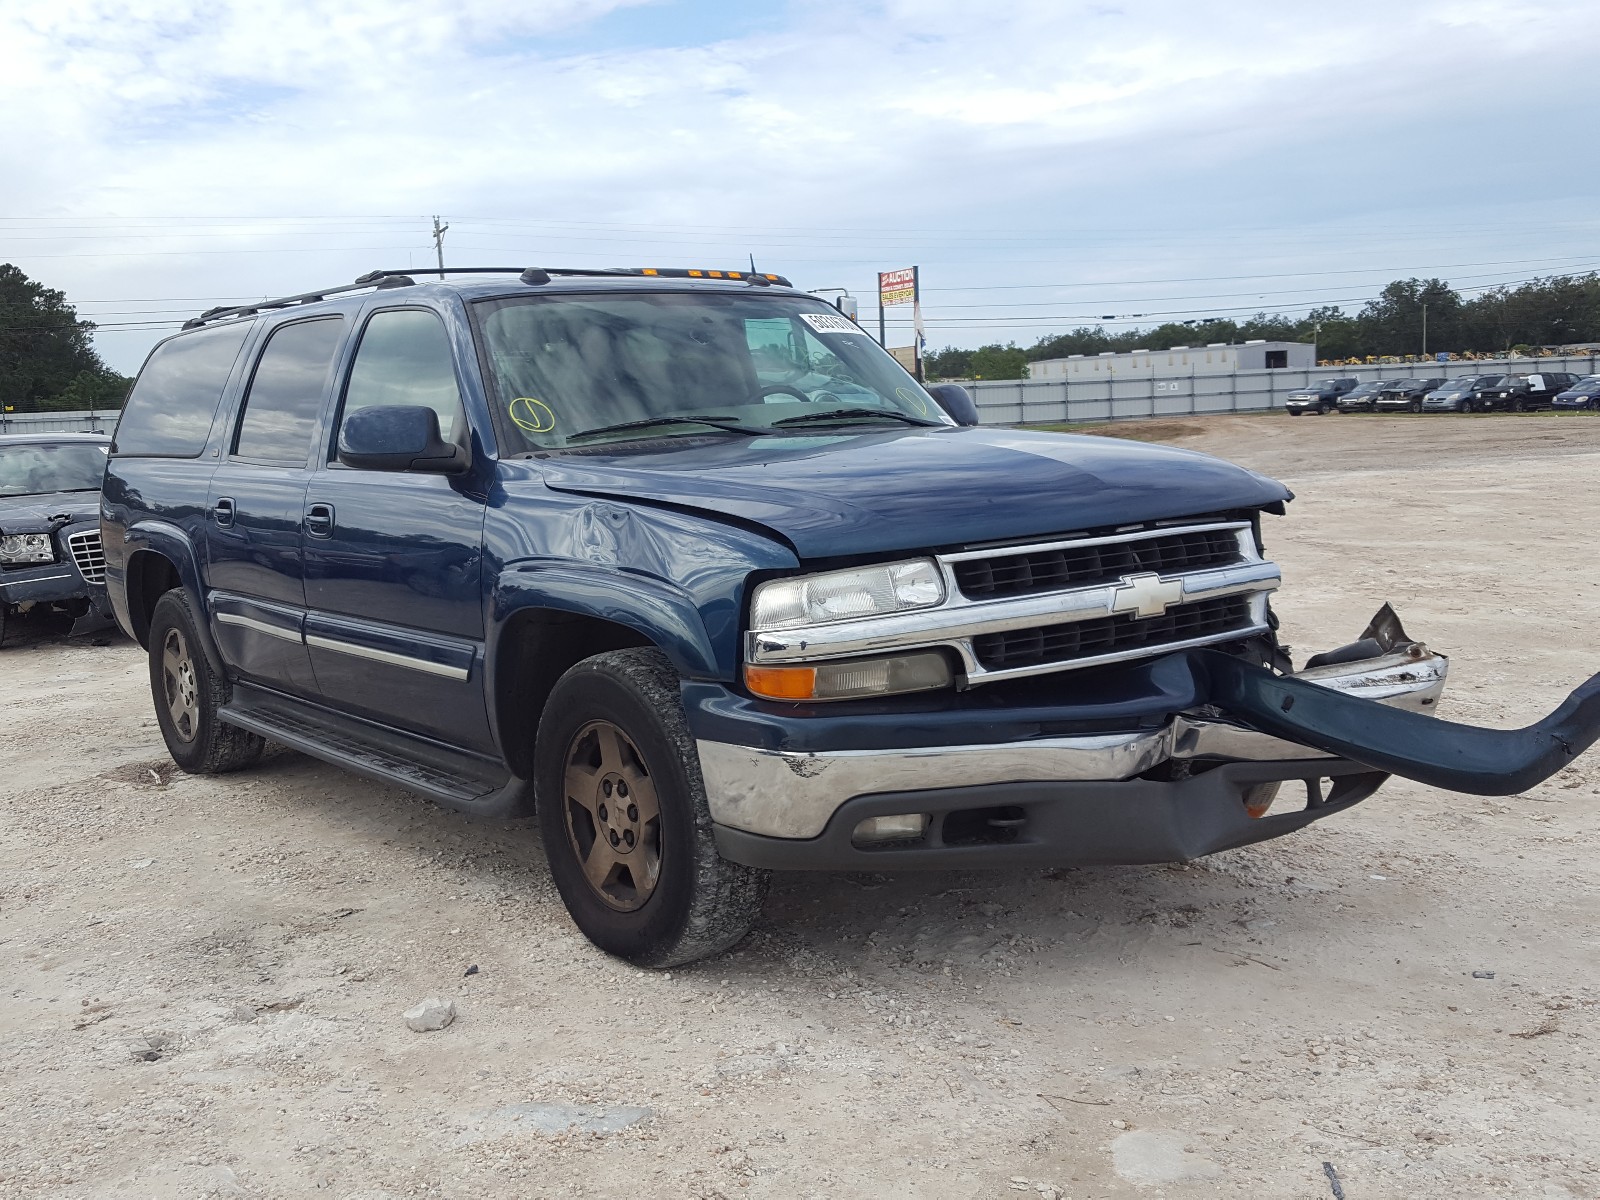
(830, 323)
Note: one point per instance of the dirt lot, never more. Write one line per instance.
(202, 981)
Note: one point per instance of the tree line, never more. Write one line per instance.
(1558, 311)
(47, 361)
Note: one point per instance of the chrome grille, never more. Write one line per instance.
(1090, 564)
(88, 554)
(1122, 634)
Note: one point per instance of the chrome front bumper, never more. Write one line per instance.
(784, 794)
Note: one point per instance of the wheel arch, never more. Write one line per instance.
(548, 620)
(158, 559)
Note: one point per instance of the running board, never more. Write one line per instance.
(447, 776)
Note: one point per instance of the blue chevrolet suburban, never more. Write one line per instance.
(685, 566)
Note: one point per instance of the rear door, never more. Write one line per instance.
(394, 559)
(254, 565)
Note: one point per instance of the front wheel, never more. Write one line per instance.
(1465, 406)
(624, 818)
(188, 693)
(1416, 406)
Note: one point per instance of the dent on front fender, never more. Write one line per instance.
(1348, 718)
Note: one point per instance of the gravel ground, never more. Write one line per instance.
(203, 982)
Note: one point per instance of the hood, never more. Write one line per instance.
(916, 489)
(33, 514)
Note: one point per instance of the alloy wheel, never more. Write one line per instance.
(613, 818)
(180, 688)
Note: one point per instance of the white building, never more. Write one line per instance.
(1219, 358)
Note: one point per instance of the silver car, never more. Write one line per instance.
(1459, 395)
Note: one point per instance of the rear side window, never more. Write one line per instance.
(280, 410)
(170, 410)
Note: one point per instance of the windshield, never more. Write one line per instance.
(1404, 383)
(1586, 387)
(1464, 384)
(566, 368)
(1325, 384)
(35, 468)
(1366, 389)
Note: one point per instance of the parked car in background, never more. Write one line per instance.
(1320, 396)
(1460, 394)
(1522, 391)
(50, 551)
(1404, 395)
(1585, 394)
(1362, 397)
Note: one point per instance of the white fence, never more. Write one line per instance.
(59, 422)
(1022, 402)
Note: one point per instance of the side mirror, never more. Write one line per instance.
(398, 438)
(956, 402)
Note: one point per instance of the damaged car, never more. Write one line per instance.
(685, 567)
(50, 553)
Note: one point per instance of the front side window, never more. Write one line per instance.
(39, 468)
(280, 410)
(567, 369)
(170, 410)
(405, 359)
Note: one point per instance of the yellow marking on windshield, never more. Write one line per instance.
(532, 416)
(911, 398)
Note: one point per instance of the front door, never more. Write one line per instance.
(257, 501)
(394, 559)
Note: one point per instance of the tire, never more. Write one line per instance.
(659, 894)
(4, 613)
(188, 693)
(1516, 405)
(1324, 409)
(1294, 412)
(1416, 406)
(1465, 406)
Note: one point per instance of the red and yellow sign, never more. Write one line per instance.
(897, 287)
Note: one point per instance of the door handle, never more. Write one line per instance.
(223, 511)
(319, 521)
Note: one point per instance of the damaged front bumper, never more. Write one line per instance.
(1185, 786)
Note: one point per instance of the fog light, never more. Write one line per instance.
(902, 827)
(894, 676)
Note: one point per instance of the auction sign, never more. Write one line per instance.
(897, 287)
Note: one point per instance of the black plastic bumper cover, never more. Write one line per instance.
(1066, 824)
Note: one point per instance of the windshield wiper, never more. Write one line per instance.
(729, 424)
(852, 414)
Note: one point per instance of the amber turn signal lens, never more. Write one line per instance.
(782, 683)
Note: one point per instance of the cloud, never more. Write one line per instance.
(991, 143)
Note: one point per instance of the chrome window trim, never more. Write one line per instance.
(954, 623)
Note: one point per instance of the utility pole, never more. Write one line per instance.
(1424, 331)
(438, 243)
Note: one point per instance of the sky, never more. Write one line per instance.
(1045, 163)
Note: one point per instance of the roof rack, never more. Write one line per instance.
(532, 276)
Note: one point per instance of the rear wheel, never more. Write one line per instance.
(188, 693)
(624, 818)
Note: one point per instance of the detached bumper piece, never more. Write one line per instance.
(1064, 824)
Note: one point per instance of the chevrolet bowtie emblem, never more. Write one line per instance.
(1146, 595)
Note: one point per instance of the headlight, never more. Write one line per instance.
(18, 548)
(844, 595)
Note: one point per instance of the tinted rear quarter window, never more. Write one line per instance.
(285, 396)
(170, 410)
